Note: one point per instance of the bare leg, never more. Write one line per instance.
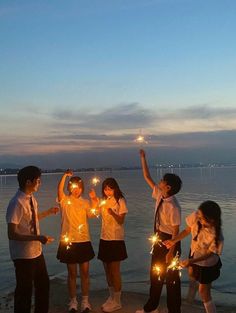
(205, 293)
(84, 276)
(71, 280)
(193, 286)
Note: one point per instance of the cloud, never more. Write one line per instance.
(204, 112)
(126, 116)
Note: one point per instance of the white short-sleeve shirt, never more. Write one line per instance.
(19, 213)
(169, 212)
(74, 221)
(111, 230)
(204, 242)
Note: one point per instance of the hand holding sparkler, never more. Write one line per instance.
(69, 172)
(142, 153)
(53, 210)
(169, 243)
(45, 239)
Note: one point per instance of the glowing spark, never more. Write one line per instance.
(140, 139)
(155, 240)
(95, 181)
(95, 212)
(68, 202)
(80, 228)
(73, 185)
(102, 202)
(157, 270)
(174, 265)
(67, 241)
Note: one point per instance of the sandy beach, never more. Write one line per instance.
(131, 300)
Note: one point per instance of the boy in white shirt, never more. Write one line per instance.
(25, 243)
(166, 225)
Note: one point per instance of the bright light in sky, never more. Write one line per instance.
(81, 77)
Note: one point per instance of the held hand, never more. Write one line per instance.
(169, 243)
(53, 210)
(45, 239)
(185, 263)
(142, 153)
(69, 172)
(49, 239)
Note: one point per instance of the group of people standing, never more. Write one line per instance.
(25, 242)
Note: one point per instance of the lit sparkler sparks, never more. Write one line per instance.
(102, 202)
(95, 181)
(95, 212)
(73, 185)
(140, 139)
(155, 239)
(69, 202)
(157, 270)
(175, 265)
(67, 241)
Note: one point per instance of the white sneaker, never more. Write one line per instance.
(85, 307)
(73, 306)
(112, 306)
(108, 301)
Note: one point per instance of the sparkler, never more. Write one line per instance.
(140, 139)
(95, 181)
(95, 212)
(156, 268)
(175, 265)
(67, 241)
(73, 185)
(155, 239)
(102, 203)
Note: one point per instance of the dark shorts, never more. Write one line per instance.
(78, 252)
(206, 274)
(112, 250)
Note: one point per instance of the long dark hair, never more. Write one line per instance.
(212, 213)
(112, 183)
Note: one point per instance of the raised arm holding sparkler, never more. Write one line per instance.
(166, 226)
(75, 245)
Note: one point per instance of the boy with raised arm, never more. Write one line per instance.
(167, 219)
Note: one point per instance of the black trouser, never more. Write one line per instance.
(29, 273)
(171, 278)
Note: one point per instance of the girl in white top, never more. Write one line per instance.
(112, 247)
(75, 246)
(206, 246)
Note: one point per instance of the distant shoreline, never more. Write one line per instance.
(14, 171)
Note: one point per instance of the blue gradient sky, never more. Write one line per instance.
(79, 80)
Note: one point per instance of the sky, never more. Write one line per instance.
(81, 79)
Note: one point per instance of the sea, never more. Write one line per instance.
(199, 184)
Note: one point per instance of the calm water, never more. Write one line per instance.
(199, 185)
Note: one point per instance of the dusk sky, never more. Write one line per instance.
(81, 79)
